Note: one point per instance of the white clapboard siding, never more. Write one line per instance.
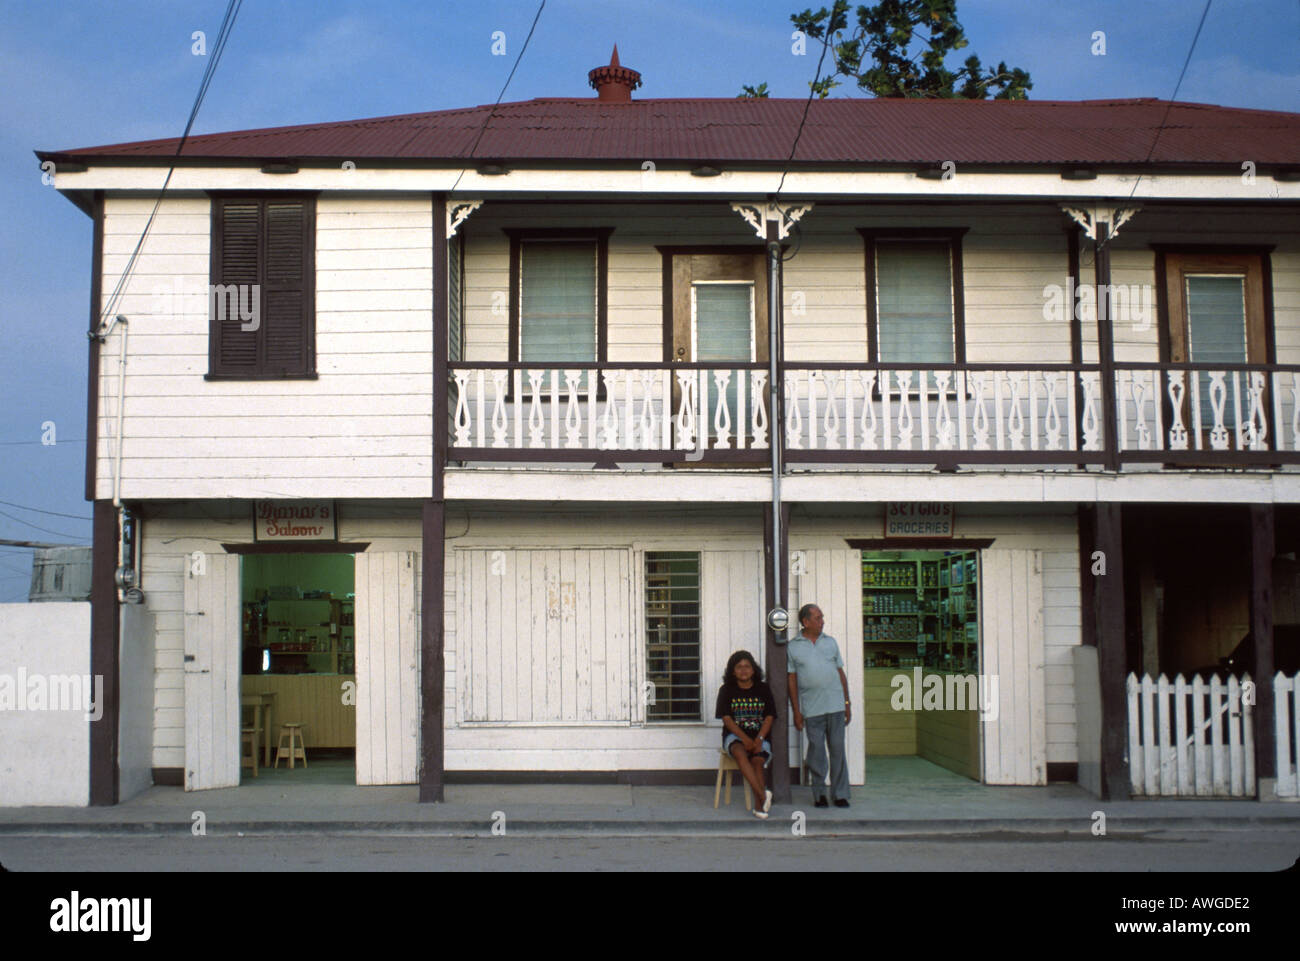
(211, 672)
(832, 579)
(1015, 744)
(388, 667)
(731, 619)
(544, 636)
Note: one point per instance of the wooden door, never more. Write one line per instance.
(1216, 315)
(1012, 656)
(719, 315)
(211, 666)
(388, 667)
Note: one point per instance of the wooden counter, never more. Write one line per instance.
(313, 700)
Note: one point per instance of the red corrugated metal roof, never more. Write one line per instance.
(738, 132)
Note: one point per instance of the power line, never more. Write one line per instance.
(20, 443)
(812, 92)
(37, 510)
(1170, 105)
(36, 526)
(223, 35)
(488, 119)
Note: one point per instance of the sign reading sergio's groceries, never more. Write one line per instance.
(306, 520)
(926, 519)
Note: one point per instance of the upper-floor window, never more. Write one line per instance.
(261, 303)
(558, 312)
(915, 312)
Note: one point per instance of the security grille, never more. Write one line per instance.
(672, 608)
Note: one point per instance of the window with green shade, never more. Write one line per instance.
(557, 302)
(914, 302)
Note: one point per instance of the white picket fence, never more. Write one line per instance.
(1191, 739)
(1286, 707)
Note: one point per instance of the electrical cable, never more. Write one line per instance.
(37, 526)
(37, 510)
(488, 119)
(812, 92)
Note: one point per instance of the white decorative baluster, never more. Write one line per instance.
(572, 413)
(1295, 413)
(1256, 422)
(535, 422)
(740, 410)
(609, 423)
(886, 423)
(999, 415)
(1218, 396)
(480, 398)
(649, 420)
(831, 421)
(849, 421)
(867, 422)
(702, 418)
(462, 408)
(518, 378)
(554, 376)
(1071, 413)
(666, 408)
(593, 382)
(793, 417)
(814, 381)
(686, 381)
(1194, 386)
(1121, 401)
(923, 389)
(1177, 391)
(980, 424)
(943, 417)
(758, 422)
(721, 413)
(499, 421)
(1051, 416)
(904, 409)
(1139, 389)
(962, 439)
(1091, 420)
(1236, 410)
(1016, 420)
(1157, 408)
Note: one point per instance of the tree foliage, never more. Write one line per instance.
(898, 49)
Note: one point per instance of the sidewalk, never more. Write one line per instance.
(905, 798)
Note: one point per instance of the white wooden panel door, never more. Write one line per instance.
(211, 672)
(1012, 652)
(544, 636)
(731, 592)
(832, 579)
(388, 667)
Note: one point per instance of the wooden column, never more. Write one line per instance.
(1261, 629)
(92, 378)
(433, 541)
(774, 654)
(1108, 617)
(105, 656)
(1106, 345)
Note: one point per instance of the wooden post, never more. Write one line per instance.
(1261, 629)
(1106, 345)
(1108, 616)
(105, 658)
(433, 541)
(774, 655)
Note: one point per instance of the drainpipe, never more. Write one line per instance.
(101, 336)
(778, 618)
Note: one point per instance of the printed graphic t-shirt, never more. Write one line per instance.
(746, 707)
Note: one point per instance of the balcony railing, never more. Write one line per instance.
(945, 415)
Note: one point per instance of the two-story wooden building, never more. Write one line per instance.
(473, 410)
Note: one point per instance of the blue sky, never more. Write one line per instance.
(85, 72)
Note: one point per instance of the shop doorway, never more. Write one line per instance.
(298, 666)
(921, 656)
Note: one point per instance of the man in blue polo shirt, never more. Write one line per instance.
(819, 697)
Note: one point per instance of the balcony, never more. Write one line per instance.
(1035, 417)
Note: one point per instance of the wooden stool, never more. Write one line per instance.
(727, 764)
(248, 740)
(294, 749)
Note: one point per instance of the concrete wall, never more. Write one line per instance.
(45, 695)
(135, 719)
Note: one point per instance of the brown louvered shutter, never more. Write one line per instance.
(267, 244)
(240, 239)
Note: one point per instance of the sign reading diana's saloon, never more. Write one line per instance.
(294, 521)
(908, 519)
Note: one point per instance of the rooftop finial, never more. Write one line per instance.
(614, 83)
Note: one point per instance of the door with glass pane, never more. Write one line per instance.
(1216, 317)
(720, 319)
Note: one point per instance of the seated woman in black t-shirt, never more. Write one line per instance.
(748, 712)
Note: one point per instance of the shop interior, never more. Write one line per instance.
(298, 674)
(920, 610)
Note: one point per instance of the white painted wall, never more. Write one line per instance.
(364, 423)
(45, 758)
(136, 709)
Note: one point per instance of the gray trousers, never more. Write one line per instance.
(827, 728)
